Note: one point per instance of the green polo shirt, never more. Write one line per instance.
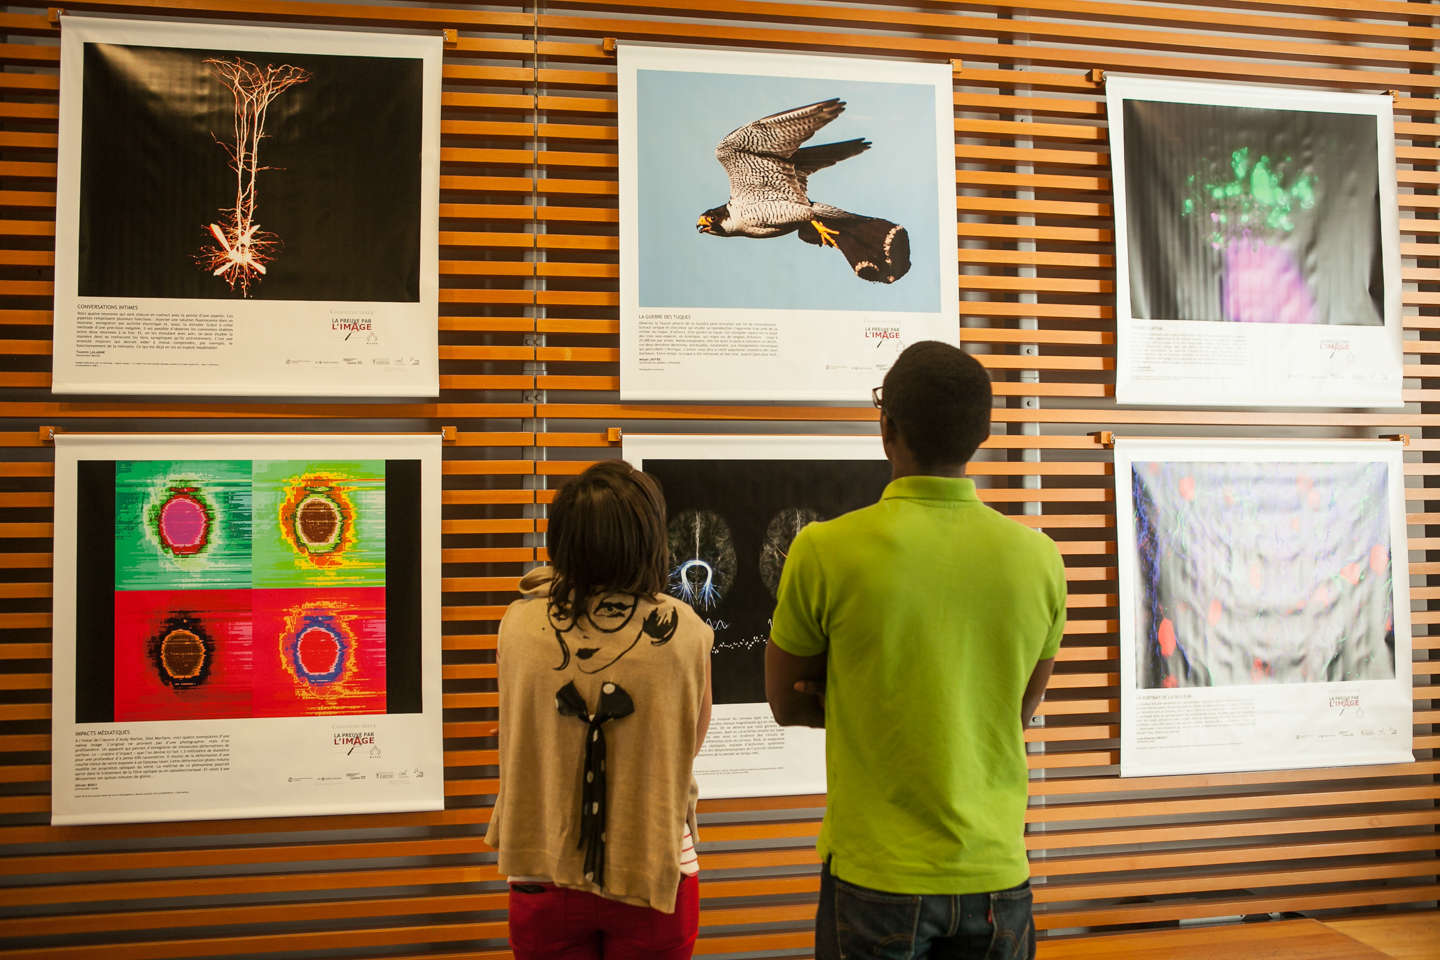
(933, 610)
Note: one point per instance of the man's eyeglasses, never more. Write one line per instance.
(875, 396)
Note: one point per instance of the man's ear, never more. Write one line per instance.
(889, 435)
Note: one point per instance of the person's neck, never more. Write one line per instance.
(903, 463)
(905, 467)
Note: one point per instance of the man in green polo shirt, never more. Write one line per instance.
(920, 633)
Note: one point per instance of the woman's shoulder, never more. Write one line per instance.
(534, 586)
(530, 611)
(536, 583)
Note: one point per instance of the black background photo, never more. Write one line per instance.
(343, 194)
(95, 590)
(1175, 274)
(403, 551)
(747, 494)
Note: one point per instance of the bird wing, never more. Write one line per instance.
(809, 159)
(781, 134)
(758, 156)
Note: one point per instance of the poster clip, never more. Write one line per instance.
(1097, 76)
(957, 66)
(53, 15)
(1105, 438)
(1403, 438)
(608, 45)
(47, 434)
(614, 434)
(451, 35)
(449, 434)
(1394, 94)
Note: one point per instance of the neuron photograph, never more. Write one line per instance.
(234, 175)
(1252, 215)
(1262, 573)
(241, 248)
(731, 523)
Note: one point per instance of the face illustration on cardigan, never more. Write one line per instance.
(612, 632)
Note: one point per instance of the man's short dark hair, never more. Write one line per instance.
(939, 398)
(607, 535)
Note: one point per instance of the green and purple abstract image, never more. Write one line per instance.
(244, 588)
(1259, 573)
(1252, 215)
(179, 522)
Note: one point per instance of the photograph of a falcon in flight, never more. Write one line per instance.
(770, 171)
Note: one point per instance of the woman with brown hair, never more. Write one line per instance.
(604, 702)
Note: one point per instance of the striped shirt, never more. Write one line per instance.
(689, 863)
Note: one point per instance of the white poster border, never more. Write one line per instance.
(822, 354)
(1280, 710)
(799, 770)
(1329, 365)
(316, 364)
(279, 756)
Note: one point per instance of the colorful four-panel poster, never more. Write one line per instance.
(733, 506)
(787, 223)
(246, 626)
(1257, 246)
(246, 211)
(1264, 605)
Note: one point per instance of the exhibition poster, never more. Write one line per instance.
(787, 223)
(246, 626)
(1264, 605)
(734, 504)
(1257, 256)
(246, 211)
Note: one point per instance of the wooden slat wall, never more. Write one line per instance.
(529, 376)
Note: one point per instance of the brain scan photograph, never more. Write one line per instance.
(778, 535)
(702, 558)
(731, 526)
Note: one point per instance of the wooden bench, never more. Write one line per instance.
(1410, 936)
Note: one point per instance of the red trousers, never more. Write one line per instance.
(561, 924)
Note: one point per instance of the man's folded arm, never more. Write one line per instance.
(786, 677)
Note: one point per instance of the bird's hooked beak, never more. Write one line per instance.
(704, 223)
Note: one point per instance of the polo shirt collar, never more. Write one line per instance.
(931, 488)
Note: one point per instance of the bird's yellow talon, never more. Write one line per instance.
(827, 236)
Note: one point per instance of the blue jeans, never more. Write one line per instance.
(857, 923)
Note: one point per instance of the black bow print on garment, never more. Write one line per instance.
(614, 704)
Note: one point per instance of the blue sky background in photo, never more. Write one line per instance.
(682, 117)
